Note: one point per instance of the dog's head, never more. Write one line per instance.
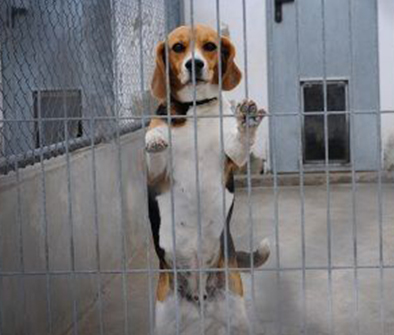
(206, 64)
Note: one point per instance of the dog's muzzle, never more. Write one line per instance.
(198, 67)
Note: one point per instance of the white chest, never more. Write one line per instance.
(200, 199)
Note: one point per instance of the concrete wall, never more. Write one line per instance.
(23, 300)
(231, 16)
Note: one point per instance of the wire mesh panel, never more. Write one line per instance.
(79, 249)
(91, 48)
(74, 75)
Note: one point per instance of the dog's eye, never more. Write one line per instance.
(178, 47)
(209, 46)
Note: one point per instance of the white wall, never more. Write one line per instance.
(231, 15)
(386, 56)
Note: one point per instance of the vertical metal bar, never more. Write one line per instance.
(20, 238)
(171, 176)
(44, 215)
(122, 224)
(248, 167)
(353, 172)
(327, 171)
(96, 226)
(70, 219)
(304, 327)
(122, 227)
(380, 195)
(197, 172)
(148, 230)
(272, 125)
(223, 191)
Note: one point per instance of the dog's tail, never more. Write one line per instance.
(259, 256)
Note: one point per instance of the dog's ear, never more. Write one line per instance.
(231, 73)
(158, 83)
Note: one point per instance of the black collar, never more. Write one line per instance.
(185, 105)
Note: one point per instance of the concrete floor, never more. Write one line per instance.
(279, 306)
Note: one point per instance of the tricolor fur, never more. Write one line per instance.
(174, 196)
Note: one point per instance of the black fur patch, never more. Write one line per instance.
(178, 108)
(230, 243)
(155, 220)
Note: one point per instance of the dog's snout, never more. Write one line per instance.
(198, 63)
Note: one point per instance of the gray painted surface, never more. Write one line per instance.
(350, 53)
(33, 319)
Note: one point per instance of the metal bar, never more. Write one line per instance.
(379, 186)
(354, 181)
(96, 229)
(71, 225)
(122, 224)
(304, 325)
(21, 248)
(122, 233)
(272, 127)
(327, 172)
(248, 168)
(223, 191)
(135, 271)
(44, 218)
(138, 126)
(145, 192)
(197, 172)
(171, 176)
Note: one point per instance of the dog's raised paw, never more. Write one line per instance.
(248, 115)
(156, 140)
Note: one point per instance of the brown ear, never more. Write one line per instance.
(231, 73)
(158, 83)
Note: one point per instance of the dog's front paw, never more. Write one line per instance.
(248, 115)
(156, 140)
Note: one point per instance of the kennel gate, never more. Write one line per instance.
(102, 111)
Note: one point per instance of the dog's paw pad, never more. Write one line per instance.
(155, 141)
(248, 115)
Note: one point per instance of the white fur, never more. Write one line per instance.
(185, 74)
(203, 91)
(156, 139)
(184, 213)
(185, 188)
(190, 321)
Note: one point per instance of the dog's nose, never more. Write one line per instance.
(199, 65)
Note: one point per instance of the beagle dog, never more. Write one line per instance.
(177, 206)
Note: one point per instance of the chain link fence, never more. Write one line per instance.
(67, 62)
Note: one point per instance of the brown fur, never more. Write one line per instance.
(231, 75)
(234, 277)
(163, 286)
